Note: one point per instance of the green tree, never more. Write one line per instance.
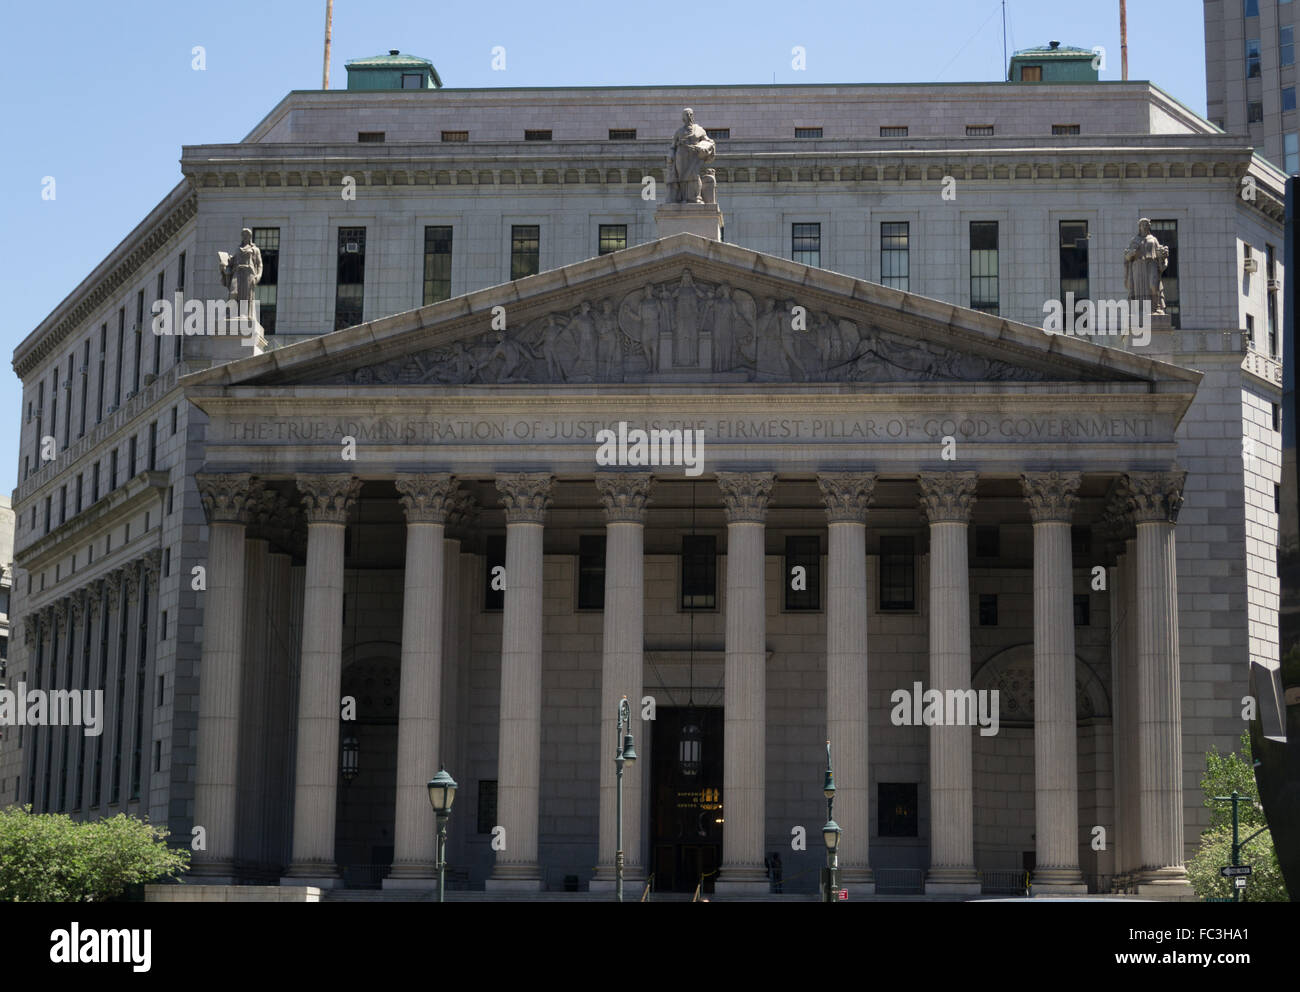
(1225, 774)
(52, 858)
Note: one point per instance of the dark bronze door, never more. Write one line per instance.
(686, 792)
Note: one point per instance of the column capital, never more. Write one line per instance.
(94, 597)
(948, 496)
(745, 495)
(60, 612)
(1051, 495)
(31, 627)
(846, 495)
(131, 579)
(113, 582)
(426, 498)
(151, 565)
(77, 605)
(526, 496)
(327, 499)
(625, 495)
(227, 496)
(1155, 497)
(462, 511)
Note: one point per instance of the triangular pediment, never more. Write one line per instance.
(688, 310)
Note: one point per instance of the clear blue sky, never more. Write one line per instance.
(102, 96)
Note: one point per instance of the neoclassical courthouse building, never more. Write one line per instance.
(310, 566)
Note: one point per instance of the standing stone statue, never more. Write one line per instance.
(692, 150)
(242, 271)
(1145, 259)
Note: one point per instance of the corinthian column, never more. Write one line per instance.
(327, 499)
(947, 498)
(625, 497)
(226, 499)
(426, 499)
(1051, 497)
(526, 498)
(847, 495)
(745, 497)
(1155, 498)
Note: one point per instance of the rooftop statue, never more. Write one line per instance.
(692, 150)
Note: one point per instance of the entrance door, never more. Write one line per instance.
(686, 796)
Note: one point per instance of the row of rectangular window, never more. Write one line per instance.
(699, 572)
(1285, 52)
(37, 412)
(716, 133)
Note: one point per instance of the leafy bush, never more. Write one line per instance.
(52, 858)
(1225, 774)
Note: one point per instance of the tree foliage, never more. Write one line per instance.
(52, 858)
(1225, 774)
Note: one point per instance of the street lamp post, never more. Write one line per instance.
(831, 831)
(624, 752)
(442, 793)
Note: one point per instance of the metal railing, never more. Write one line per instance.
(1004, 882)
(900, 881)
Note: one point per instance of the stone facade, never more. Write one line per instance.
(420, 390)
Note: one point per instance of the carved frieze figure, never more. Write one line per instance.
(1145, 259)
(242, 271)
(609, 343)
(767, 341)
(686, 322)
(692, 150)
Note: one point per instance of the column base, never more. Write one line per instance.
(1165, 884)
(742, 880)
(322, 874)
(414, 870)
(408, 883)
(604, 880)
(211, 875)
(950, 880)
(515, 878)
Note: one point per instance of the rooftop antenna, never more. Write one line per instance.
(1123, 38)
(329, 20)
(1004, 39)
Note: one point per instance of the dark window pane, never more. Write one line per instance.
(897, 573)
(988, 542)
(525, 250)
(894, 260)
(1082, 610)
(1074, 261)
(437, 264)
(806, 244)
(699, 572)
(984, 293)
(267, 240)
(1166, 232)
(805, 553)
(807, 132)
(613, 237)
(591, 572)
(351, 277)
(487, 805)
(896, 802)
(988, 609)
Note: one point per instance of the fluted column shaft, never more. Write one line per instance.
(1128, 713)
(424, 499)
(225, 498)
(1156, 498)
(846, 496)
(745, 497)
(526, 498)
(278, 647)
(327, 500)
(624, 497)
(1051, 499)
(252, 791)
(947, 498)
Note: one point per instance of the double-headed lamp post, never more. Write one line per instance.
(442, 793)
(830, 832)
(624, 751)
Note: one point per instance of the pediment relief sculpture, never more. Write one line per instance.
(687, 329)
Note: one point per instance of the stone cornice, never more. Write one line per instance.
(163, 223)
(123, 503)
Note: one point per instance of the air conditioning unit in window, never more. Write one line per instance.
(352, 247)
(67, 385)
(84, 370)
(112, 408)
(1274, 285)
(130, 394)
(1251, 265)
